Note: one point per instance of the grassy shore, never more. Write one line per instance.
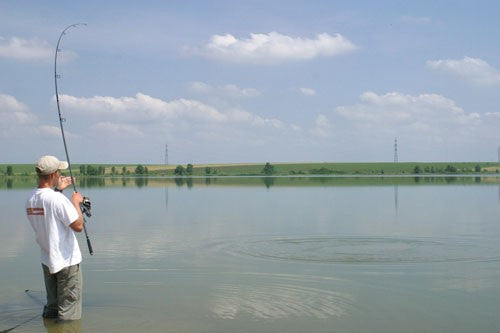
(276, 169)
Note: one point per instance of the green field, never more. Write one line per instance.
(278, 169)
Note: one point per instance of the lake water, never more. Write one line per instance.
(271, 255)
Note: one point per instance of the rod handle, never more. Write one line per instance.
(91, 251)
(89, 244)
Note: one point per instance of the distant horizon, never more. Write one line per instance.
(260, 163)
(62, 158)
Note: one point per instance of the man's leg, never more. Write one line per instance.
(50, 309)
(69, 293)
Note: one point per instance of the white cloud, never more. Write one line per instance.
(235, 91)
(492, 120)
(430, 126)
(25, 49)
(200, 87)
(275, 48)
(143, 110)
(308, 91)
(16, 120)
(10, 103)
(228, 90)
(493, 114)
(241, 116)
(472, 69)
(430, 115)
(323, 127)
(51, 131)
(117, 129)
(13, 113)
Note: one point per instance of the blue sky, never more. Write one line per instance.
(251, 81)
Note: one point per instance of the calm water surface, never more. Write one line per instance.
(274, 255)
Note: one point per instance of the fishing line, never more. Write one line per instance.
(20, 324)
(85, 204)
(35, 299)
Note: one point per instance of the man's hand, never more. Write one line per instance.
(76, 199)
(64, 182)
(77, 225)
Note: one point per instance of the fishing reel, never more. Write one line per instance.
(85, 206)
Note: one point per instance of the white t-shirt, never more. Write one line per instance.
(50, 214)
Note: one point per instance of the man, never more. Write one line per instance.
(54, 219)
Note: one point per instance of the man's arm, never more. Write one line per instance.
(77, 225)
(62, 183)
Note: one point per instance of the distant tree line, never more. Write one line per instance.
(449, 169)
(268, 169)
(141, 170)
(325, 171)
(188, 170)
(210, 171)
(9, 171)
(181, 171)
(91, 170)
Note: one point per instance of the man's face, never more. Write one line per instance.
(55, 179)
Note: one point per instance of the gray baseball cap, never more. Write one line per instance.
(50, 164)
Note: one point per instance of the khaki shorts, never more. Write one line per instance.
(64, 293)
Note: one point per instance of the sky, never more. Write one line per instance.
(250, 81)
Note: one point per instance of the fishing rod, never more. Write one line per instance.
(85, 204)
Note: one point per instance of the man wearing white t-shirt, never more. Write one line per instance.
(54, 219)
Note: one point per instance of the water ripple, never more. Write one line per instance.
(365, 249)
(276, 300)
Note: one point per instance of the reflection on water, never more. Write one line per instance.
(268, 182)
(278, 300)
(91, 182)
(166, 197)
(52, 326)
(396, 198)
(141, 182)
(272, 254)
